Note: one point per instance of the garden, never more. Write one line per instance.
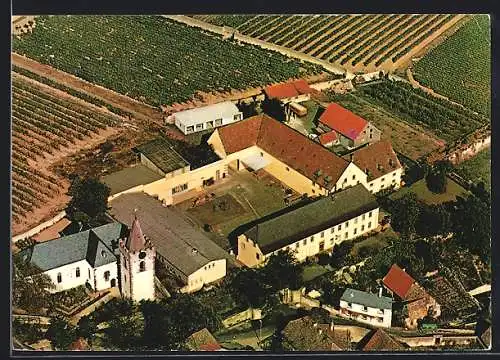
(423, 193)
(159, 62)
(477, 169)
(460, 68)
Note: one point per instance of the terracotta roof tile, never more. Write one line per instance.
(288, 89)
(379, 340)
(287, 145)
(398, 281)
(202, 340)
(328, 137)
(343, 121)
(136, 240)
(378, 159)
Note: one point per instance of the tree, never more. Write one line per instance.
(433, 220)
(106, 147)
(124, 333)
(405, 212)
(87, 327)
(89, 196)
(30, 287)
(250, 287)
(274, 109)
(283, 271)
(248, 109)
(436, 178)
(61, 333)
(472, 226)
(340, 254)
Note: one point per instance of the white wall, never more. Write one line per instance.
(358, 310)
(225, 120)
(68, 274)
(352, 175)
(100, 282)
(136, 284)
(386, 181)
(213, 271)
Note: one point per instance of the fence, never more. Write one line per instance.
(39, 228)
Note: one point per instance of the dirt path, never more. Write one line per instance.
(139, 110)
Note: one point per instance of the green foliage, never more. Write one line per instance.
(283, 271)
(340, 254)
(405, 213)
(436, 179)
(26, 332)
(248, 109)
(123, 333)
(249, 286)
(61, 334)
(460, 68)
(87, 327)
(30, 287)
(161, 61)
(477, 169)
(89, 196)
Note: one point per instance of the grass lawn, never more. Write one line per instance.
(220, 209)
(307, 121)
(313, 271)
(424, 194)
(478, 168)
(378, 241)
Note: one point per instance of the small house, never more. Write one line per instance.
(373, 309)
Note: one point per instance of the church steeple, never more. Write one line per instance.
(136, 240)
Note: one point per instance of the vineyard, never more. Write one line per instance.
(151, 58)
(459, 68)
(446, 120)
(43, 126)
(357, 42)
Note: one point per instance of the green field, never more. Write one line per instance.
(478, 168)
(152, 58)
(423, 193)
(459, 68)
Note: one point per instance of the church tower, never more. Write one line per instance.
(137, 265)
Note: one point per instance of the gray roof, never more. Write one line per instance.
(275, 232)
(130, 177)
(221, 110)
(176, 240)
(86, 245)
(162, 153)
(366, 299)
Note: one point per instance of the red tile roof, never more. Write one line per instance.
(377, 159)
(210, 347)
(379, 340)
(288, 90)
(136, 240)
(287, 145)
(343, 121)
(398, 281)
(328, 137)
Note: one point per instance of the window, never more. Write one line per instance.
(332, 230)
(371, 136)
(236, 117)
(362, 228)
(382, 186)
(243, 245)
(347, 224)
(297, 245)
(369, 225)
(345, 180)
(380, 320)
(382, 180)
(209, 124)
(261, 154)
(312, 239)
(106, 276)
(363, 216)
(355, 231)
(339, 227)
(77, 272)
(304, 242)
(371, 184)
(218, 122)
(393, 181)
(287, 168)
(331, 241)
(189, 129)
(354, 177)
(142, 266)
(179, 188)
(370, 214)
(314, 192)
(322, 234)
(346, 235)
(59, 278)
(257, 256)
(393, 174)
(349, 305)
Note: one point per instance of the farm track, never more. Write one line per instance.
(140, 111)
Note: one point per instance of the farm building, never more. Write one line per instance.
(367, 308)
(296, 91)
(327, 139)
(160, 156)
(352, 130)
(304, 334)
(87, 257)
(186, 252)
(261, 142)
(380, 163)
(207, 117)
(311, 228)
(418, 302)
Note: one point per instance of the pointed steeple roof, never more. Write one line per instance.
(136, 240)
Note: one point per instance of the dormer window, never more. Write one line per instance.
(103, 253)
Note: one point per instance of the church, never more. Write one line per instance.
(100, 258)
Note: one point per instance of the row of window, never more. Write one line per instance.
(211, 124)
(59, 275)
(179, 188)
(209, 266)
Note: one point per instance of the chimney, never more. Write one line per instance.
(380, 292)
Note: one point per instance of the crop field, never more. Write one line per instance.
(446, 120)
(478, 168)
(459, 68)
(151, 58)
(357, 42)
(44, 126)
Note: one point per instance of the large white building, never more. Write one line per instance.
(373, 309)
(312, 228)
(207, 117)
(88, 257)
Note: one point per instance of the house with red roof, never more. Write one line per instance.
(261, 142)
(352, 130)
(296, 91)
(418, 302)
(380, 163)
